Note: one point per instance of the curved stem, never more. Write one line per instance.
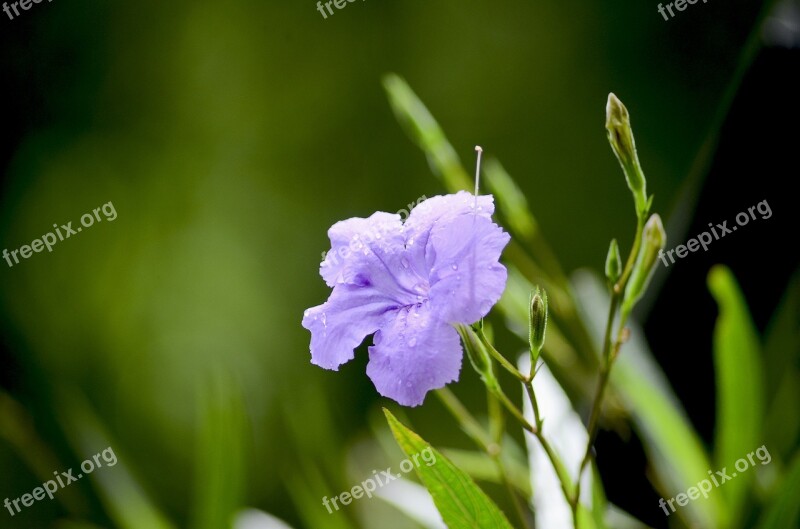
(515, 412)
(494, 353)
(497, 425)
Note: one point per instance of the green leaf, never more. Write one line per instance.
(426, 133)
(459, 500)
(219, 458)
(737, 358)
(510, 200)
(671, 443)
(599, 500)
(122, 495)
(784, 510)
(307, 487)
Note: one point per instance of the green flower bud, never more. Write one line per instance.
(620, 136)
(477, 354)
(613, 262)
(538, 323)
(653, 241)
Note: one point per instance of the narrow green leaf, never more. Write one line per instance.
(784, 510)
(510, 200)
(423, 129)
(737, 358)
(460, 502)
(599, 501)
(122, 495)
(219, 458)
(307, 488)
(671, 443)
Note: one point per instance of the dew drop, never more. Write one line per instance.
(412, 342)
(454, 266)
(404, 262)
(324, 320)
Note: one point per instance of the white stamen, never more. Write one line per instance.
(479, 150)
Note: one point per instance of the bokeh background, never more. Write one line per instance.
(230, 135)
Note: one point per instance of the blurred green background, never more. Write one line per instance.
(229, 136)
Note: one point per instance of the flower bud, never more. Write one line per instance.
(620, 136)
(613, 262)
(538, 323)
(653, 241)
(477, 354)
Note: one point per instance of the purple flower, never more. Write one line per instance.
(408, 283)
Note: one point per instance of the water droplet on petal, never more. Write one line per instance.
(305, 313)
(454, 267)
(404, 262)
(324, 320)
(412, 342)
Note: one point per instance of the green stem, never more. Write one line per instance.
(508, 366)
(609, 354)
(619, 287)
(512, 408)
(497, 426)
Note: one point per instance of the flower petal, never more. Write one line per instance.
(340, 324)
(350, 237)
(443, 208)
(437, 211)
(412, 354)
(466, 276)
